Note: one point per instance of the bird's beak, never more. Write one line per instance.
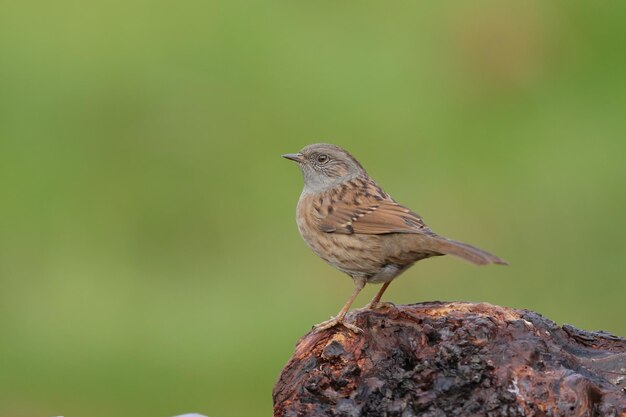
(293, 156)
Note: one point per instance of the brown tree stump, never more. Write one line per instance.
(454, 359)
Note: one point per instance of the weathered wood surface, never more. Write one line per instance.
(454, 359)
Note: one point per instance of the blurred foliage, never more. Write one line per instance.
(149, 259)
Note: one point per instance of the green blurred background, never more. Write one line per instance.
(149, 260)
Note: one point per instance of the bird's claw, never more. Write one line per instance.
(334, 321)
(380, 305)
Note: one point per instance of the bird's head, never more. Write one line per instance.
(325, 166)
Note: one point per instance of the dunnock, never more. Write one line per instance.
(352, 224)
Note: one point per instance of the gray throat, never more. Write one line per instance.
(314, 184)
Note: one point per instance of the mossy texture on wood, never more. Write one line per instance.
(453, 359)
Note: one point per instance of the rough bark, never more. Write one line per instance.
(454, 359)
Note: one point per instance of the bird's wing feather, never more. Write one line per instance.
(373, 217)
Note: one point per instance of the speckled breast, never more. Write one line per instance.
(356, 255)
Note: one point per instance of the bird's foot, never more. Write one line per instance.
(335, 321)
(379, 305)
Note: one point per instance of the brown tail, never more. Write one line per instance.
(465, 251)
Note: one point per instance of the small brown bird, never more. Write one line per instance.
(352, 224)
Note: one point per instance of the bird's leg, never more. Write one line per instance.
(359, 283)
(376, 300)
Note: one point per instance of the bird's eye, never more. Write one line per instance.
(322, 159)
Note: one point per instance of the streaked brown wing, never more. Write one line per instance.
(372, 218)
